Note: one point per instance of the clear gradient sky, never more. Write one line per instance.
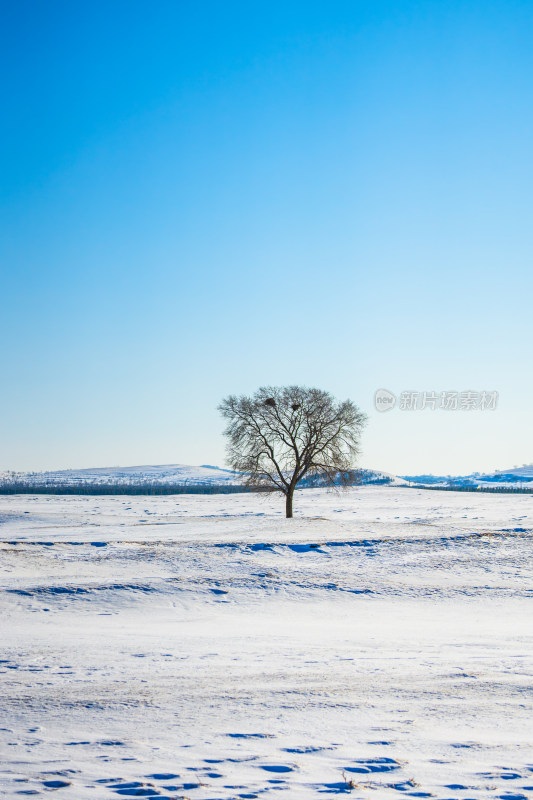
(198, 198)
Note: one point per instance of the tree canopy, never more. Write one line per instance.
(281, 435)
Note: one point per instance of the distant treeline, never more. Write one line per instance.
(463, 488)
(14, 487)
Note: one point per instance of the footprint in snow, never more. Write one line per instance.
(370, 765)
(163, 776)
(56, 784)
(277, 768)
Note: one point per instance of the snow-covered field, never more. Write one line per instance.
(379, 644)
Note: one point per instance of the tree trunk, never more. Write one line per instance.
(288, 502)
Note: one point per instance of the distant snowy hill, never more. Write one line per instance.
(166, 473)
(526, 471)
(521, 476)
(171, 474)
(373, 476)
(207, 475)
(515, 475)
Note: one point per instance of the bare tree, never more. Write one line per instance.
(280, 436)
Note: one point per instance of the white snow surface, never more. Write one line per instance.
(379, 644)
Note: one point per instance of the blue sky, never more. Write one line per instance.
(201, 198)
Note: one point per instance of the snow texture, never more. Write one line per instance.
(378, 645)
